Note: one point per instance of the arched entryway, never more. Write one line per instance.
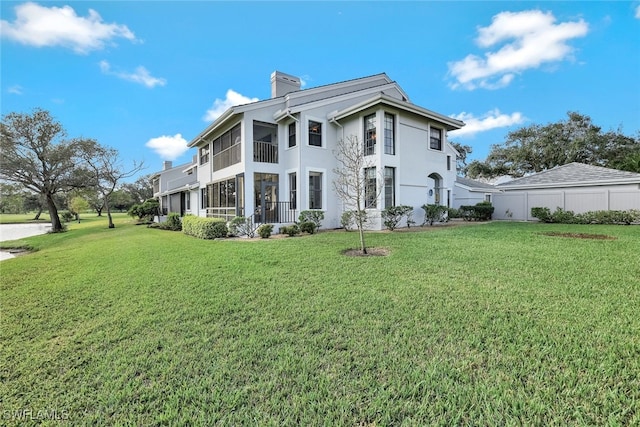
(435, 189)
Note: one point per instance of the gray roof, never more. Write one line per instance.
(473, 183)
(574, 174)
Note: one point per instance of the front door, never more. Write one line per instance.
(268, 202)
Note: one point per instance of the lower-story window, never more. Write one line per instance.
(315, 190)
(370, 195)
(389, 187)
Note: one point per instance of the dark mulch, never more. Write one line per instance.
(580, 235)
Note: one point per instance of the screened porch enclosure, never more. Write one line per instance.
(268, 208)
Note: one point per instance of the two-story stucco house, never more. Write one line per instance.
(274, 158)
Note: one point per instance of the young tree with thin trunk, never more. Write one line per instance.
(104, 167)
(353, 187)
(35, 155)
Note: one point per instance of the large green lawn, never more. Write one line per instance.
(490, 324)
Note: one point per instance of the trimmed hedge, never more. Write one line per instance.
(480, 212)
(560, 216)
(204, 228)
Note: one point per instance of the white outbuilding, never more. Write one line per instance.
(575, 187)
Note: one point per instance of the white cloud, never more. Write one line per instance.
(491, 120)
(528, 39)
(232, 99)
(41, 26)
(15, 89)
(168, 147)
(638, 12)
(140, 75)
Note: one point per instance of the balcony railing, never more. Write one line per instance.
(227, 157)
(265, 152)
(275, 212)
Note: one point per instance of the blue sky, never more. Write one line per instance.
(146, 77)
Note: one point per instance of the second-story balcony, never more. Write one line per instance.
(265, 152)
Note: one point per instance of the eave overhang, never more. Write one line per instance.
(448, 122)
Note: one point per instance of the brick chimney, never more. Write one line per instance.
(282, 84)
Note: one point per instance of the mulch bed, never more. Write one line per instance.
(580, 235)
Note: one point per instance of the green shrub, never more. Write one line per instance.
(204, 228)
(172, 223)
(313, 216)
(145, 211)
(543, 214)
(392, 216)
(434, 213)
(243, 226)
(290, 230)
(307, 227)
(66, 216)
(479, 212)
(561, 216)
(346, 220)
(265, 230)
(453, 213)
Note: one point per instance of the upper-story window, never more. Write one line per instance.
(292, 134)
(435, 140)
(370, 135)
(204, 154)
(389, 134)
(315, 133)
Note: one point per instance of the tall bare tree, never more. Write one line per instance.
(351, 184)
(105, 169)
(35, 154)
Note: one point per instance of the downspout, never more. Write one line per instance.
(335, 122)
(298, 185)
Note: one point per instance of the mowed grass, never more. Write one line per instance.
(489, 324)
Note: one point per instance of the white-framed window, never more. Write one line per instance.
(291, 134)
(204, 154)
(369, 147)
(370, 194)
(389, 134)
(448, 163)
(293, 190)
(389, 187)
(435, 138)
(187, 200)
(315, 133)
(315, 190)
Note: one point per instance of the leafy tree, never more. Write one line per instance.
(36, 156)
(12, 197)
(536, 148)
(121, 200)
(140, 190)
(461, 159)
(105, 170)
(78, 205)
(350, 181)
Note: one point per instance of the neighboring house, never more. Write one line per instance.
(468, 192)
(272, 159)
(575, 186)
(176, 188)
